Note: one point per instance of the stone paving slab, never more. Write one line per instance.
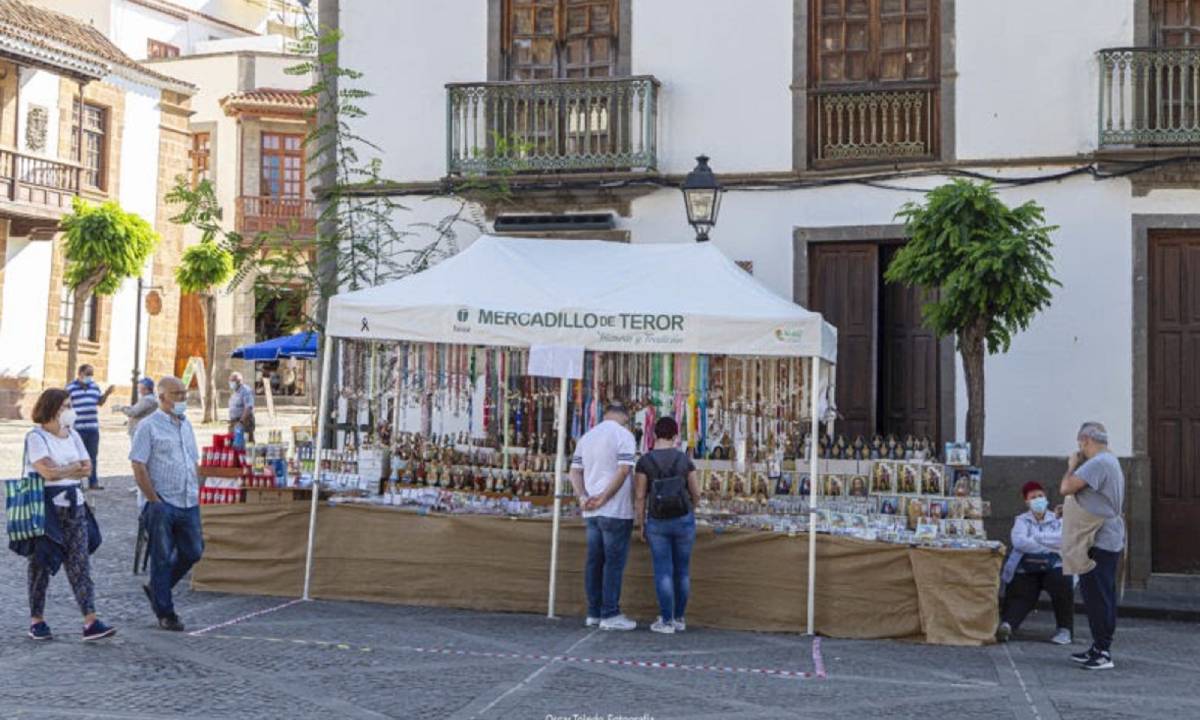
(361, 660)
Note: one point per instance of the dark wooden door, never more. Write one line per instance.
(908, 363)
(843, 286)
(1175, 401)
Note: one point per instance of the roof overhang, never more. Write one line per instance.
(57, 59)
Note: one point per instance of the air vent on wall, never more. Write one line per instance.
(541, 223)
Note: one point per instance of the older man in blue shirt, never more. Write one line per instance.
(164, 457)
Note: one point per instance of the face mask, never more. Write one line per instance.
(67, 418)
(87, 379)
(233, 386)
(180, 408)
(1039, 505)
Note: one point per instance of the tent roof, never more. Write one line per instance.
(595, 294)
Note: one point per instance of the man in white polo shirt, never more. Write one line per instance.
(600, 469)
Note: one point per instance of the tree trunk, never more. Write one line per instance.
(972, 345)
(210, 346)
(81, 293)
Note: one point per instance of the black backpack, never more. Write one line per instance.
(668, 493)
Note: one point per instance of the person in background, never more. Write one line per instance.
(600, 466)
(57, 453)
(241, 406)
(86, 399)
(147, 403)
(1034, 565)
(164, 457)
(665, 497)
(1094, 477)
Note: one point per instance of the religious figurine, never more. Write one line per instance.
(893, 450)
(860, 448)
(877, 449)
(823, 446)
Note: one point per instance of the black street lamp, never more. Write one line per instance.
(702, 198)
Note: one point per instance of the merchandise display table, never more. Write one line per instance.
(740, 580)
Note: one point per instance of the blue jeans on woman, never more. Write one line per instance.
(671, 550)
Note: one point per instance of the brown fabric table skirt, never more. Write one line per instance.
(740, 580)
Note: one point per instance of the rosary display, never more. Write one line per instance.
(488, 434)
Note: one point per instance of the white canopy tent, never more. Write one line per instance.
(589, 295)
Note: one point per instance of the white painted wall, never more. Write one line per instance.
(1028, 89)
(133, 25)
(39, 87)
(255, 43)
(26, 299)
(425, 49)
(725, 69)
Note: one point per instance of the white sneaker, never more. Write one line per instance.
(666, 628)
(617, 622)
(1062, 637)
(680, 625)
(591, 621)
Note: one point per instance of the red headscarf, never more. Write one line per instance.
(1030, 487)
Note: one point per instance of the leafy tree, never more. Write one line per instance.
(104, 246)
(203, 268)
(988, 268)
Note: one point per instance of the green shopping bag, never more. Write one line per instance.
(25, 506)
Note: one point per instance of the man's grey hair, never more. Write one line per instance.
(236, 376)
(1094, 431)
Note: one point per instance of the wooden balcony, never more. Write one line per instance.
(287, 216)
(35, 186)
(861, 127)
(1149, 96)
(604, 124)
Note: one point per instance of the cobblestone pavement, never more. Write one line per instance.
(357, 660)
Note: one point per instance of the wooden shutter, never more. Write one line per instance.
(1175, 23)
(909, 363)
(549, 39)
(873, 41)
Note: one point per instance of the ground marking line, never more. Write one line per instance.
(533, 675)
(565, 657)
(1028, 698)
(247, 616)
(818, 659)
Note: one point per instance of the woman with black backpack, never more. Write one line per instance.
(665, 494)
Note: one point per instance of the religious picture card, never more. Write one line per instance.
(974, 529)
(889, 505)
(961, 485)
(804, 484)
(914, 511)
(938, 508)
(932, 479)
(958, 453)
(927, 531)
(952, 528)
(907, 478)
(834, 486)
(858, 486)
(784, 484)
(883, 478)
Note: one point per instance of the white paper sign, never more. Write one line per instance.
(557, 361)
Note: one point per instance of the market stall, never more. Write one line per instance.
(520, 343)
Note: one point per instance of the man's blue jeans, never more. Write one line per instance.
(176, 543)
(671, 549)
(608, 549)
(91, 442)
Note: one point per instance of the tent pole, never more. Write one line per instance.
(318, 444)
(558, 473)
(813, 493)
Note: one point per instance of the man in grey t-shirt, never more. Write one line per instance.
(1094, 477)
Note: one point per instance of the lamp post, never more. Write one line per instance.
(702, 198)
(142, 288)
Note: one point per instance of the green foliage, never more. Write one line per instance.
(203, 267)
(992, 265)
(104, 246)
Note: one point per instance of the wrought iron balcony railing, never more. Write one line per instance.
(262, 213)
(552, 125)
(1149, 96)
(862, 126)
(38, 181)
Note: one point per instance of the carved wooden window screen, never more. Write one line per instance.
(554, 39)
